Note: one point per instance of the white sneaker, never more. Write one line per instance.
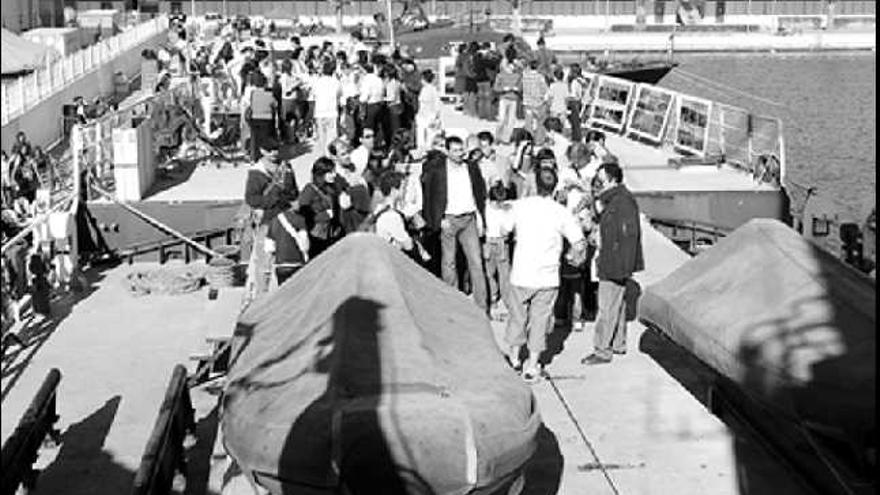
(513, 358)
(532, 373)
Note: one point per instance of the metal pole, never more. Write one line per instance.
(607, 9)
(390, 24)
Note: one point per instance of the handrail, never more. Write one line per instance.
(701, 227)
(156, 223)
(20, 449)
(164, 454)
(147, 246)
(30, 90)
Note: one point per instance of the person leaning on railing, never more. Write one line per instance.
(14, 254)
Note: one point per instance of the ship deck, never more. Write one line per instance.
(647, 170)
(631, 427)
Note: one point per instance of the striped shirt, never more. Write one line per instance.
(534, 88)
(508, 84)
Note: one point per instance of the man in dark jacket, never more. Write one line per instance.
(620, 255)
(269, 190)
(454, 203)
(482, 67)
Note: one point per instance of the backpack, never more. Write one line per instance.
(369, 223)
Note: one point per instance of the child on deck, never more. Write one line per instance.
(557, 96)
(496, 250)
(576, 298)
(555, 140)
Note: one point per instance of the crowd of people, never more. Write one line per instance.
(516, 217)
(29, 175)
(517, 230)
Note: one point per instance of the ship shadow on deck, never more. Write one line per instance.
(698, 379)
(82, 465)
(543, 472)
(199, 455)
(35, 335)
(171, 174)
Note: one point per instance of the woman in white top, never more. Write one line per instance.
(428, 120)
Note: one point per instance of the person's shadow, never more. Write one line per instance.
(362, 457)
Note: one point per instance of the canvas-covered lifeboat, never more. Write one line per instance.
(789, 324)
(363, 373)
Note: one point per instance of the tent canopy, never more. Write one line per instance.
(21, 55)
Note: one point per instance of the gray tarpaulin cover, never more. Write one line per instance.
(365, 370)
(789, 323)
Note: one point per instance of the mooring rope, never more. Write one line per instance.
(154, 222)
(725, 88)
(583, 435)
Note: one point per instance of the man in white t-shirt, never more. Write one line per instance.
(540, 224)
(372, 98)
(327, 91)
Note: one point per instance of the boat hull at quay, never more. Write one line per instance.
(791, 326)
(643, 73)
(364, 372)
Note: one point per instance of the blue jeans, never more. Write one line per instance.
(506, 119)
(498, 264)
(611, 319)
(463, 229)
(534, 123)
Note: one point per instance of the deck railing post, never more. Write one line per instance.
(21, 98)
(4, 109)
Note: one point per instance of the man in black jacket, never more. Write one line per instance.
(270, 189)
(620, 255)
(454, 202)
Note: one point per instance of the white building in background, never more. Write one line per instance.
(21, 15)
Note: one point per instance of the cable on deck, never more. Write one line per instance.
(583, 435)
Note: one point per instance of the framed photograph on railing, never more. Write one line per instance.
(610, 102)
(692, 131)
(650, 114)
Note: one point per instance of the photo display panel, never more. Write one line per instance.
(650, 114)
(692, 132)
(611, 101)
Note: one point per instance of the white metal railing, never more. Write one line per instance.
(23, 93)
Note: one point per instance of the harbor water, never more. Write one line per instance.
(827, 103)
